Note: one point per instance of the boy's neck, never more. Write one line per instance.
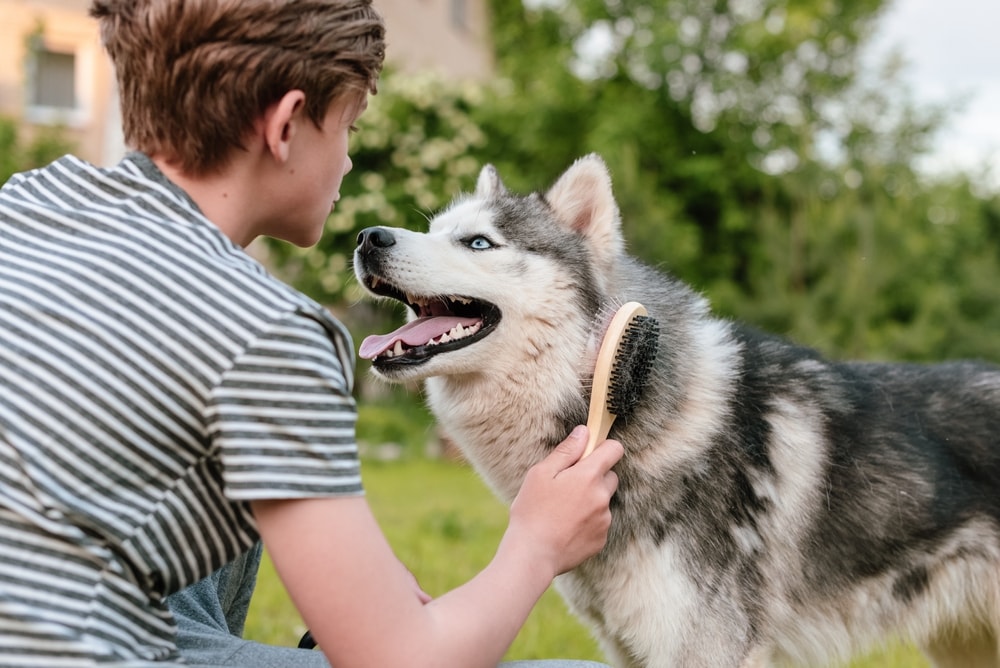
(221, 196)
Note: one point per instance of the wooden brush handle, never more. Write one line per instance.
(600, 419)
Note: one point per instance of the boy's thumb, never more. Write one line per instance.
(570, 450)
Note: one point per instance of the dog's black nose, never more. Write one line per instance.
(377, 237)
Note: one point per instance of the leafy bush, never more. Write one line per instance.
(18, 155)
(415, 150)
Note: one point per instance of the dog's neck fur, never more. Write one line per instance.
(508, 414)
(506, 420)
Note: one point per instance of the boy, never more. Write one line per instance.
(165, 402)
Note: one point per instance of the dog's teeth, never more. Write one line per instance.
(455, 333)
(417, 301)
(394, 351)
(375, 281)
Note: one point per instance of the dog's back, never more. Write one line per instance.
(809, 508)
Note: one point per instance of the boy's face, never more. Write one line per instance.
(321, 161)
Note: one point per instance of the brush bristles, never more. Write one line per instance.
(634, 360)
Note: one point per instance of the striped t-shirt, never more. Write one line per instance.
(154, 379)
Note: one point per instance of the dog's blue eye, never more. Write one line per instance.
(479, 243)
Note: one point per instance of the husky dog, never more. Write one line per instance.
(774, 508)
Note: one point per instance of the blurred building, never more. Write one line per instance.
(450, 36)
(53, 71)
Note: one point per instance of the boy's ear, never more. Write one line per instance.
(280, 123)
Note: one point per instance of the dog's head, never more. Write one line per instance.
(498, 279)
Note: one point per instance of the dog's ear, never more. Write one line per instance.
(489, 184)
(583, 201)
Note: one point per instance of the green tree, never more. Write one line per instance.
(695, 105)
(754, 156)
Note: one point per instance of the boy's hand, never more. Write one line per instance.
(563, 502)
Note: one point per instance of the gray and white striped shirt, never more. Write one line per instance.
(154, 379)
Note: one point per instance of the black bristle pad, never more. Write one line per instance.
(633, 362)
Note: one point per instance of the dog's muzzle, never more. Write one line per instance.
(441, 322)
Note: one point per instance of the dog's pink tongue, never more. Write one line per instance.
(416, 333)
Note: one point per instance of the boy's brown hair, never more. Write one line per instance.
(194, 75)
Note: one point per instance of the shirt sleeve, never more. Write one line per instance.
(283, 419)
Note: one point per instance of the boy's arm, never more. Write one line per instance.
(358, 599)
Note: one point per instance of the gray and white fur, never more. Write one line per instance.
(774, 508)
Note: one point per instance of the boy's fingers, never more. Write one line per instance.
(608, 453)
(570, 450)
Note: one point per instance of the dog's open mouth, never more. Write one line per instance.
(444, 323)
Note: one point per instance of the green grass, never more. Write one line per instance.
(444, 524)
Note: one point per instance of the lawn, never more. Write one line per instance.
(444, 524)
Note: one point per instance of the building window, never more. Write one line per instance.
(52, 84)
(459, 14)
(53, 81)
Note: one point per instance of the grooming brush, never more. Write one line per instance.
(623, 364)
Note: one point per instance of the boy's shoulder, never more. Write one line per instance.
(132, 215)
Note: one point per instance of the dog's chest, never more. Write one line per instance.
(502, 431)
(635, 598)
